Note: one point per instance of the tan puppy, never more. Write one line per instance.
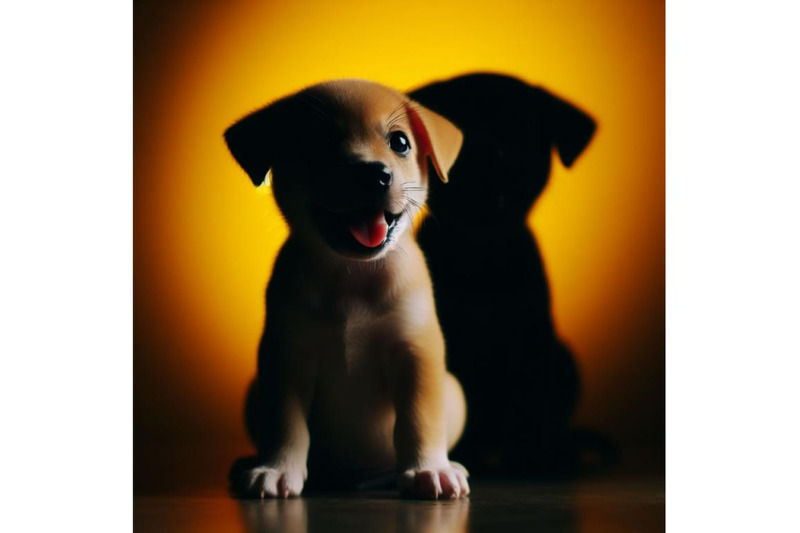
(352, 352)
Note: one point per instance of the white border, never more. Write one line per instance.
(66, 267)
(733, 265)
(732, 274)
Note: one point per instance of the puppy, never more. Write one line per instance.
(352, 353)
(520, 381)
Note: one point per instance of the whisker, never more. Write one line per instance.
(396, 109)
(424, 209)
(396, 120)
(418, 205)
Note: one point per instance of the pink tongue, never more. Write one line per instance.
(371, 233)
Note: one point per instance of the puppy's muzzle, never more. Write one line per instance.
(353, 214)
(374, 177)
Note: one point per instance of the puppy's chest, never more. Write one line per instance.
(350, 369)
(349, 339)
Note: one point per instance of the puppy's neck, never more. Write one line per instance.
(326, 266)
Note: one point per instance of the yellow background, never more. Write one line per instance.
(205, 238)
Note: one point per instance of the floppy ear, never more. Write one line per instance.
(251, 141)
(436, 137)
(571, 128)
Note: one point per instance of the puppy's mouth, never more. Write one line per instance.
(362, 232)
(371, 231)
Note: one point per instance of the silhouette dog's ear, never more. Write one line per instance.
(571, 128)
(252, 140)
(436, 137)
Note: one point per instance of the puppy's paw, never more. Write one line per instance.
(268, 481)
(447, 482)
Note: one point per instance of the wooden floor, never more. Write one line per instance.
(613, 505)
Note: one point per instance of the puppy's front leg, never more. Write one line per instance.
(285, 386)
(417, 378)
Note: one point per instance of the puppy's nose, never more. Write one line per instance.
(374, 173)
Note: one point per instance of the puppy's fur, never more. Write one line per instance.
(352, 355)
(492, 295)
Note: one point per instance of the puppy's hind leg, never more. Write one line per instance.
(455, 410)
(251, 426)
(251, 412)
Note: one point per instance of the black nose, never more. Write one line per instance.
(373, 173)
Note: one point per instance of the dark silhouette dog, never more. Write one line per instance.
(492, 296)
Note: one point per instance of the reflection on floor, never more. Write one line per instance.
(589, 505)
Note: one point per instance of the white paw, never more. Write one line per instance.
(448, 482)
(268, 481)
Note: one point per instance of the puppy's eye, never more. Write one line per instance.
(399, 142)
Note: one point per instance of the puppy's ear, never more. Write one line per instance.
(571, 128)
(436, 137)
(251, 141)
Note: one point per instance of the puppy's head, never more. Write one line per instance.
(349, 160)
(510, 131)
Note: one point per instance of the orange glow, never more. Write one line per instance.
(205, 238)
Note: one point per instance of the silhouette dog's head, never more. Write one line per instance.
(349, 161)
(510, 129)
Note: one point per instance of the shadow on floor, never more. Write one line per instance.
(599, 505)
